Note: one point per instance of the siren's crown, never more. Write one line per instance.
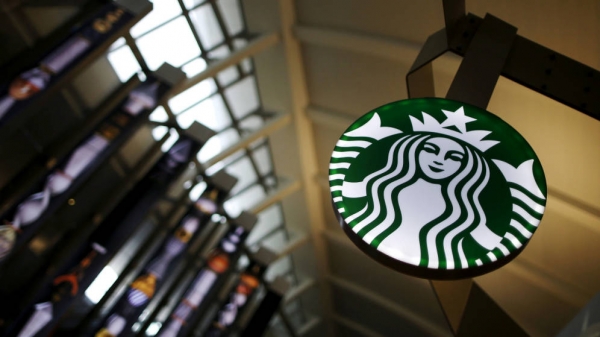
(458, 119)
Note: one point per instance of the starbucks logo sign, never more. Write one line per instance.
(437, 188)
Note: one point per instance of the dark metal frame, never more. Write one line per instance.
(526, 62)
(228, 41)
(491, 48)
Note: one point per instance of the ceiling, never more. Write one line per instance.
(340, 59)
(327, 63)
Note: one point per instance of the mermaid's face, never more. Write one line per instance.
(440, 158)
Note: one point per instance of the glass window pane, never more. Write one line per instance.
(120, 41)
(124, 63)
(244, 200)
(173, 43)
(153, 328)
(281, 266)
(210, 113)
(162, 10)
(247, 65)
(276, 242)
(192, 95)
(243, 97)
(173, 137)
(230, 10)
(271, 181)
(239, 43)
(159, 131)
(207, 26)
(223, 163)
(262, 158)
(159, 115)
(189, 4)
(220, 52)
(197, 191)
(251, 123)
(194, 67)
(268, 220)
(243, 170)
(101, 283)
(217, 143)
(228, 76)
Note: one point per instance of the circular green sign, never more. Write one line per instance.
(437, 188)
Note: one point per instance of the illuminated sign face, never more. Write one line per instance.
(436, 188)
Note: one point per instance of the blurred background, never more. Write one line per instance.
(278, 81)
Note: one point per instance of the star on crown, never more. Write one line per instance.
(459, 120)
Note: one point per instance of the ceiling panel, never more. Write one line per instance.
(331, 221)
(563, 138)
(538, 311)
(351, 83)
(543, 288)
(351, 265)
(569, 27)
(409, 20)
(566, 245)
(377, 318)
(326, 137)
(343, 330)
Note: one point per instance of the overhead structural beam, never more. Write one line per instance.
(22, 25)
(293, 244)
(382, 47)
(285, 189)
(482, 65)
(528, 63)
(579, 208)
(560, 288)
(394, 49)
(271, 126)
(541, 69)
(307, 150)
(568, 292)
(419, 80)
(532, 274)
(454, 10)
(327, 118)
(298, 290)
(312, 323)
(361, 329)
(287, 323)
(397, 309)
(474, 83)
(256, 46)
(43, 3)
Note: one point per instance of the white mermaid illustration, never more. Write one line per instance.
(424, 202)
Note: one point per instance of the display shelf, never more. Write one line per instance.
(269, 305)
(203, 280)
(26, 283)
(30, 90)
(93, 202)
(55, 153)
(130, 211)
(221, 182)
(52, 191)
(119, 224)
(10, 67)
(239, 296)
(177, 293)
(136, 262)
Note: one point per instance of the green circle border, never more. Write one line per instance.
(425, 272)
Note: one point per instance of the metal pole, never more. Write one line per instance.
(469, 311)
